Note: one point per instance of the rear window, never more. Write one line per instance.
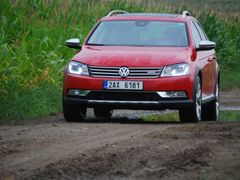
(139, 33)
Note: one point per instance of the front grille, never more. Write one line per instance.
(124, 96)
(135, 72)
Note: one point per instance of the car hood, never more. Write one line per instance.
(132, 56)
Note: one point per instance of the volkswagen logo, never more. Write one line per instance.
(123, 72)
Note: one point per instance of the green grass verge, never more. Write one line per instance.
(164, 117)
(229, 116)
(230, 80)
(224, 116)
(40, 101)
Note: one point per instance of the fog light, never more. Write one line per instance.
(172, 94)
(78, 92)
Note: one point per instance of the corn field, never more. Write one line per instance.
(33, 55)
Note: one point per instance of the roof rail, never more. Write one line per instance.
(116, 12)
(185, 13)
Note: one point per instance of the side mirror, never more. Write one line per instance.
(206, 45)
(73, 43)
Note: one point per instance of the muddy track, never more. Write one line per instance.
(123, 147)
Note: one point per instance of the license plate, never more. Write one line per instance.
(124, 85)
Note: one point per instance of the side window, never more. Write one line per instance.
(195, 34)
(200, 30)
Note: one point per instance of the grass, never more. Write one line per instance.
(224, 116)
(228, 116)
(40, 101)
(33, 55)
(230, 80)
(164, 117)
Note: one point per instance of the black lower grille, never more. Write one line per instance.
(124, 96)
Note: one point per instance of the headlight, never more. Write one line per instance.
(176, 70)
(77, 68)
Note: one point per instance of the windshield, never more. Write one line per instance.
(139, 33)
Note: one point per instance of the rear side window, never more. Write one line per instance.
(140, 33)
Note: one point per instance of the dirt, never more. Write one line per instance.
(230, 100)
(123, 147)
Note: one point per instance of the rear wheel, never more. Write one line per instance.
(211, 110)
(103, 113)
(74, 112)
(193, 114)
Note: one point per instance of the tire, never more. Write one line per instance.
(211, 110)
(194, 113)
(103, 113)
(73, 112)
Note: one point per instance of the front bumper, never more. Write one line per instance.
(182, 83)
(120, 104)
(146, 99)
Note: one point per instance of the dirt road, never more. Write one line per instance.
(120, 148)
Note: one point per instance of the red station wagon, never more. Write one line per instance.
(145, 61)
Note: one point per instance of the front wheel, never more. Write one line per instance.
(74, 112)
(193, 114)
